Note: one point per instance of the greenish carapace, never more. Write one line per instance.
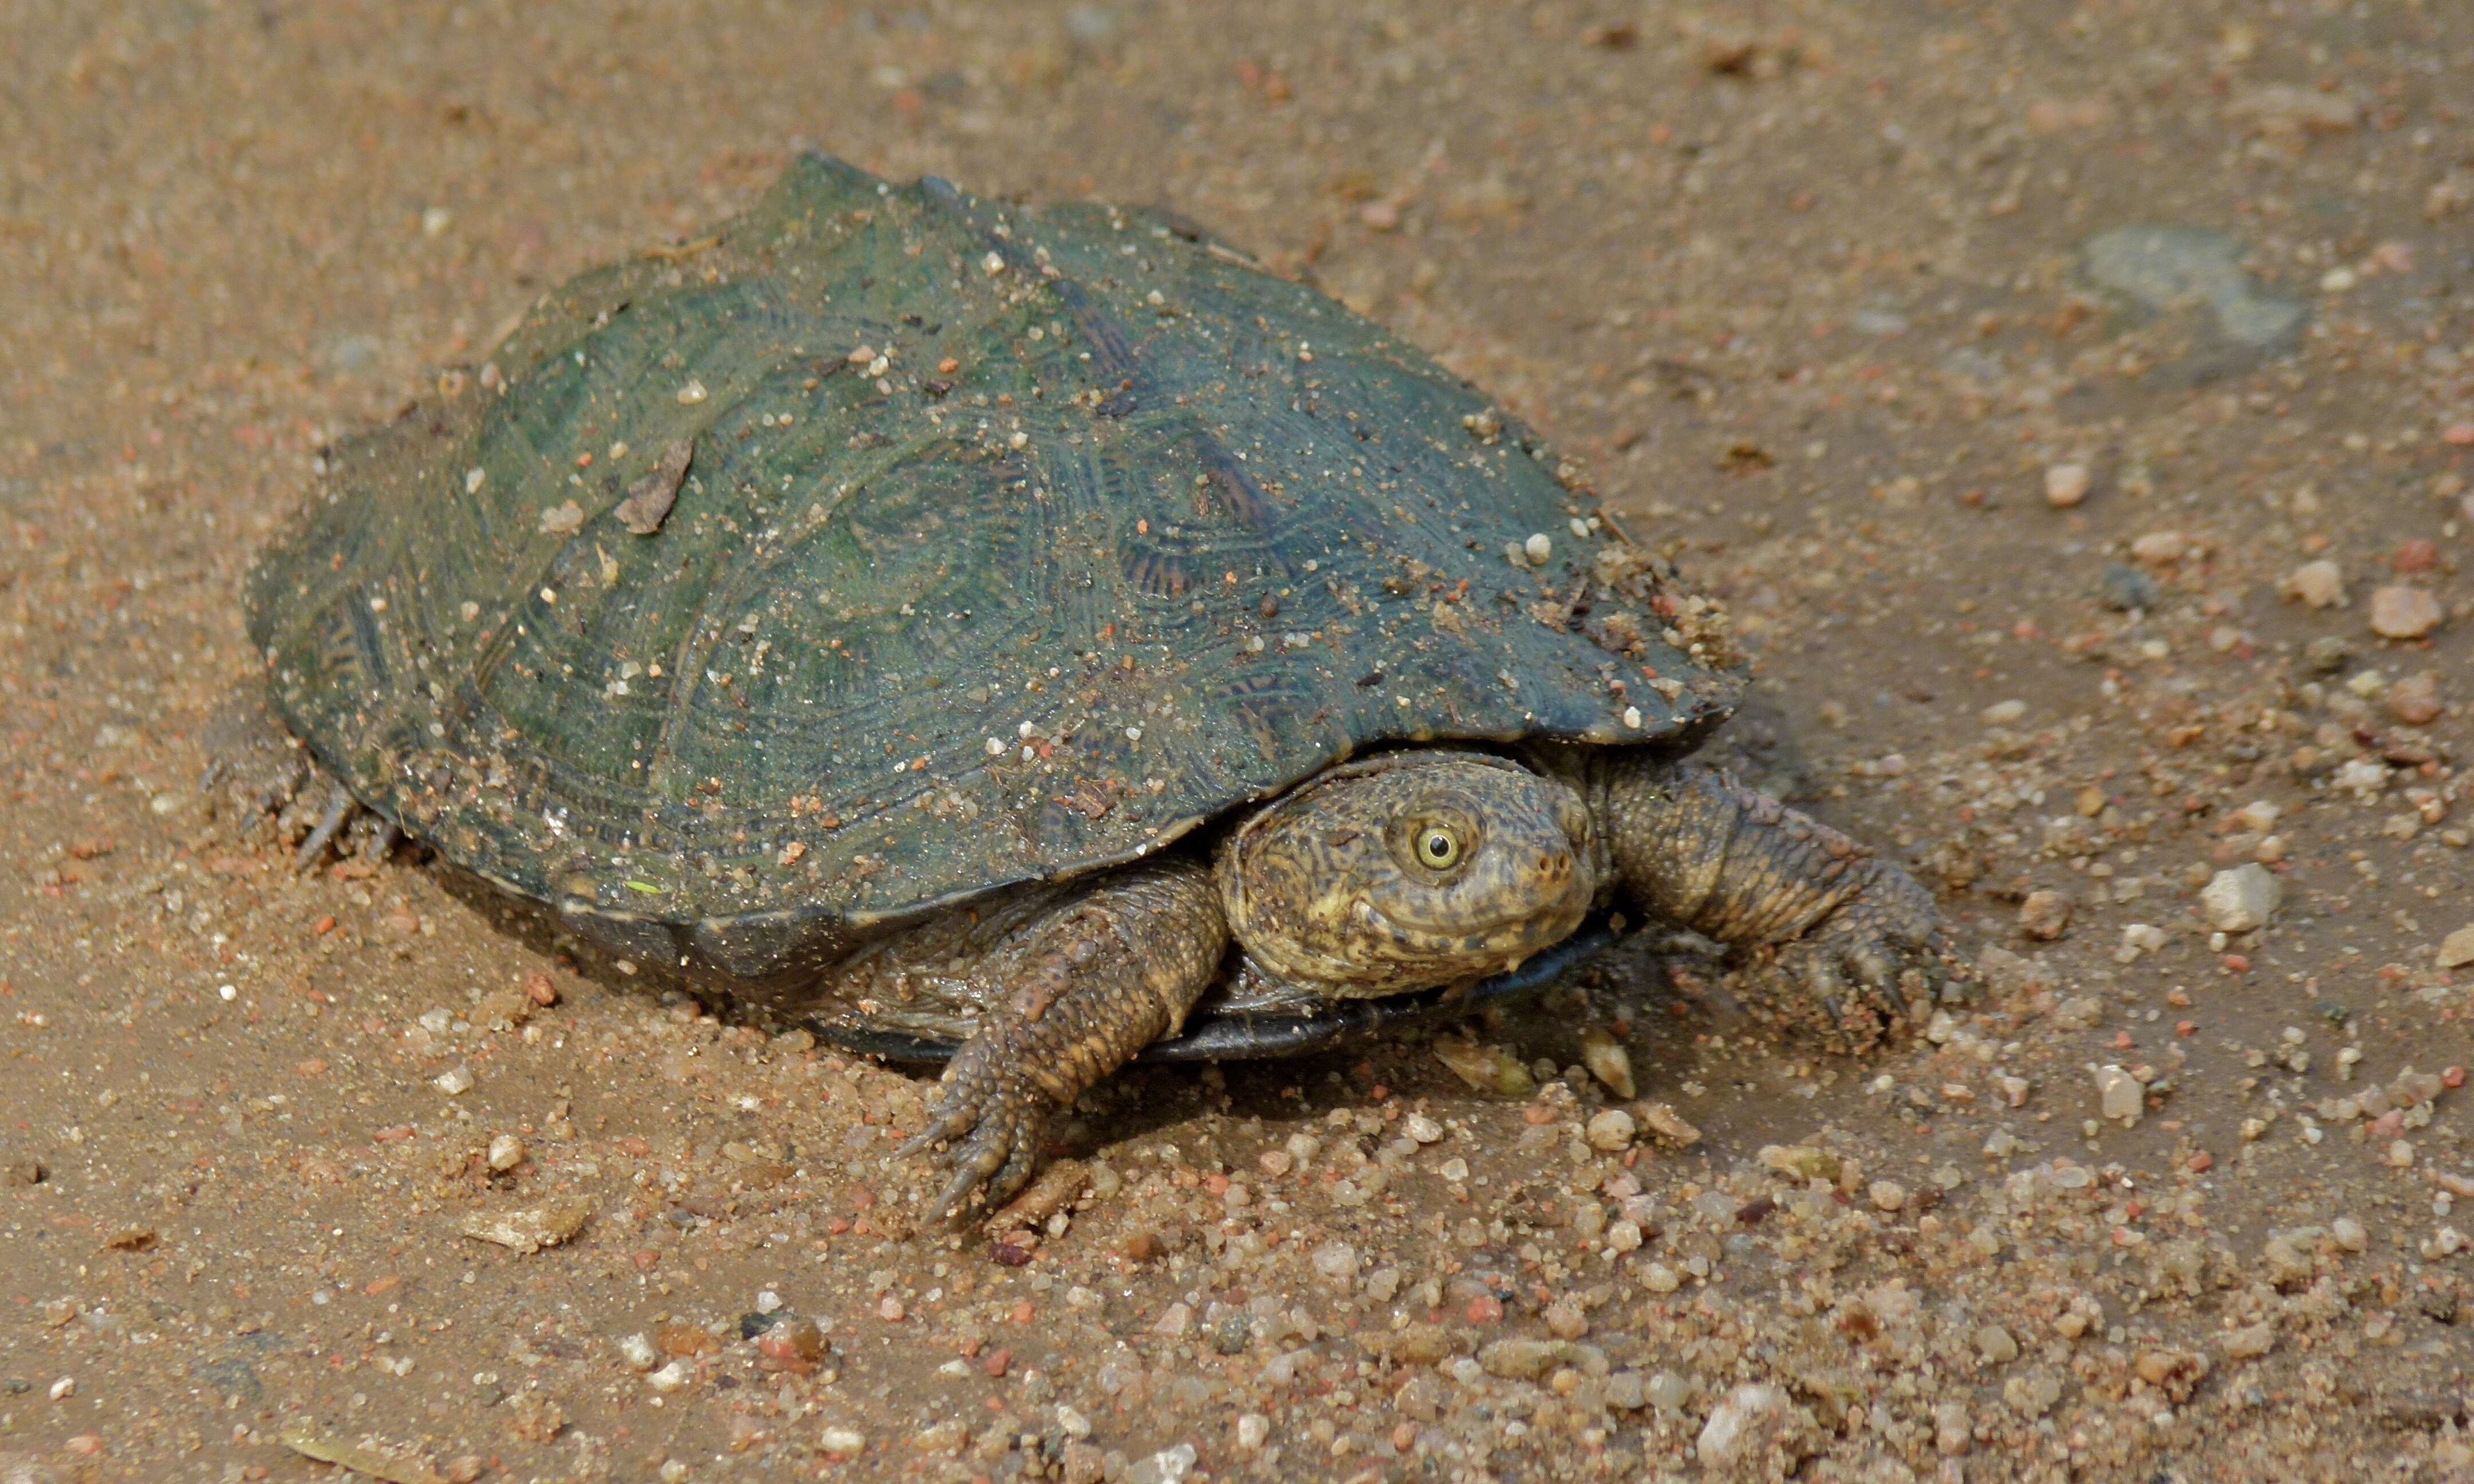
(1020, 633)
(1010, 543)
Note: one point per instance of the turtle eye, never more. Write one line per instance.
(1439, 847)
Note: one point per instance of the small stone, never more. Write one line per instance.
(530, 1230)
(2457, 950)
(671, 1376)
(2066, 485)
(1168, 1466)
(1662, 1279)
(1996, 1345)
(1564, 1320)
(1538, 548)
(2128, 589)
(2160, 548)
(1611, 1132)
(2044, 915)
(637, 1351)
(1337, 1261)
(792, 1346)
(2119, 1093)
(1663, 1121)
(2402, 612)
(2250, 1342)
(2327, 655)
(2242, 899)
(2416, 699)
(2318, 584)
(1253, 1428)
(455, 1081)
(1724, 1436)
(2349, 1234)
(1607, 1061)
(506, 1152)
(1421, 1128)
(2003, 713)
(848, 1441)
(1887, 1195)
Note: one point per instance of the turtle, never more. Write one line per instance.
(1025, 636)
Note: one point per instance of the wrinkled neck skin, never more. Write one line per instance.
(1411, 871)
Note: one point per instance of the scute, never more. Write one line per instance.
(1109, 532)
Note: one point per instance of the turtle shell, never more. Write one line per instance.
(892, 545)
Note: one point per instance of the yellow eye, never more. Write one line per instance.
(1439, 849)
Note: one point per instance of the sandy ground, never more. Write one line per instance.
(1820, 293)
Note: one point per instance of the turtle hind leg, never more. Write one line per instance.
(258, 776)
(1841, 925)
(1073, 993)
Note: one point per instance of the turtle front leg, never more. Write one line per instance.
(1077, 990)
(1700, 850)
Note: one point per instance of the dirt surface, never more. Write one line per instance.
(1824, 297)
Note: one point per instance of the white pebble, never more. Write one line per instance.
(2066, 485)
(2240, 899)
(670, 1377)
(638, 1353)
(846, 1440)
(1611, 1132)
(1252, 1430)
(1723, 1437)
(1538, 548)
(1423, 1129)
(506, 1152)
(455, 1081)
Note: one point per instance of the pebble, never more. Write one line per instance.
(2044, 915)
(2118, 1095)
(1168, 1466)
(2128, 589)
(848, 1441)
(2318, 584)
(2415, 700)
(455, 1081)
(531, 1229)
(1887, 1195)
(2402, 612)
(2457, 950)
(2251, 1341)
(2160, 267)
(1421, 1128)
(2242, 899)
(1607, 1061)
(2003, 713)
(1253, 1428)
(2066, 485)
(1661, 1278)
(1337, 1261)
(506, 1152)
(1611, 1132)
(1724, 1436)
(1996, 1345)
(637, 1351)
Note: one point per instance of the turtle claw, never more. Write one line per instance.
(989, 1126)
(1881, 948)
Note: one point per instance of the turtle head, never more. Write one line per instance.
(1408, 871)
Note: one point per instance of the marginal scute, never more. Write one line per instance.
(1170, 536)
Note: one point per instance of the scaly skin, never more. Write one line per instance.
(1079, 988)
(1693, 846)
(1324, 889)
